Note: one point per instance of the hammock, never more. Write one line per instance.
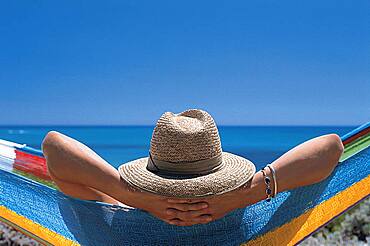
(53, 218)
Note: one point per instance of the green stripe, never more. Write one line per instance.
(355, 147)
(35, 178)
(25, 232)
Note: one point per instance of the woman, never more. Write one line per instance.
(186, 179)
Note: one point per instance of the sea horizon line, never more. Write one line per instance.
(145, 125)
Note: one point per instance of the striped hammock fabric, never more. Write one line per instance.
(53, 218)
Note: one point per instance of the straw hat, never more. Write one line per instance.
(186, 159)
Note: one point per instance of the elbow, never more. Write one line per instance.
(333, 150)
(50, 146)
(50, 142)
(335, 146)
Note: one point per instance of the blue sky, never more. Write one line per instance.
(126, 62)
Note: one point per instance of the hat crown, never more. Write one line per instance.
(189, 136)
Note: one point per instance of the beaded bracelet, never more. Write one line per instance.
(267, 182)
(273, 173)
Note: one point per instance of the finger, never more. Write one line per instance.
(172, 221)
(199, 220)
(188, 207)
(182, 200)
(203, 219)
(186, 215)
(178, 222)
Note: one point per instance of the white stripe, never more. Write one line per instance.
(7, 157)
(11, 144)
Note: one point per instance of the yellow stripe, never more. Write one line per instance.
(35, 228)
(297, 229)
(25, 232)
(288, 234)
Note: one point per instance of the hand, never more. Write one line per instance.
(218, 207)
(160, 207)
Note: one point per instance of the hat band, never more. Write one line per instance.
(201, 167)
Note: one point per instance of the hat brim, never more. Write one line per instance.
(234, 172)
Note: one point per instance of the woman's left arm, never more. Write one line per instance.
(307, 163)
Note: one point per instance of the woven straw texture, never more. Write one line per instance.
(183, 139)
(189, 136)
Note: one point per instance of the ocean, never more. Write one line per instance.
(120, 144)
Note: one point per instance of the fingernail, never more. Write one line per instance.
(205, 206)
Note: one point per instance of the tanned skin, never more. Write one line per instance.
(79, 172)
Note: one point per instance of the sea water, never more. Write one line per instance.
(120, 144)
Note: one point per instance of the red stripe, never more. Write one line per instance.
(33, 164)
(356, 136)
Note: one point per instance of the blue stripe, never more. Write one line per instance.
(355, 131)
(31, 150)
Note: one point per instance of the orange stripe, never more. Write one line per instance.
(297, 229)
(35, 228)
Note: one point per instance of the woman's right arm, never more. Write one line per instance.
(307, 163)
